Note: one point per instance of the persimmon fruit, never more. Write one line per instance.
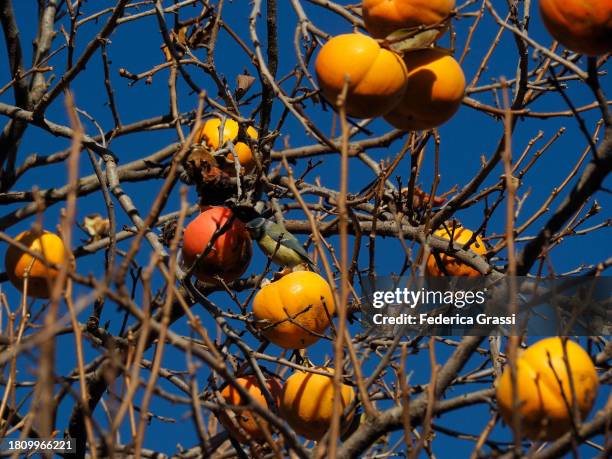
(434, 91)
(247, 421)
(209, 134)
(376, 77)
(544, 391)
(307, 402)
(452, 266)
(230, 252)
(292, 311)
(383, 17)
(19, 264)
(584, 26)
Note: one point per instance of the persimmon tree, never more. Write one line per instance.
(133, 352)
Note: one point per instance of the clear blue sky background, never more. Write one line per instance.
(470, 134)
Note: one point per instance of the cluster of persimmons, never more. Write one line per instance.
(419, 89)
(399, 74)
(291, 312)
(553, 377)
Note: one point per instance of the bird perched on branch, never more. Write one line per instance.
(278, 243)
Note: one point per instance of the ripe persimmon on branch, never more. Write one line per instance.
(198, 194)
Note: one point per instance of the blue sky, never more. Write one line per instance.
(470, 134)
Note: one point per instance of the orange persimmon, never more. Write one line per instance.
(18, 263)
(451, 265)
(209, 134)
(584, 26)
(376, 77)
(246, 421)
(307, 402)
(434, 91)
(543, 388)
(230, 253)
(383, 17)
(293, 310)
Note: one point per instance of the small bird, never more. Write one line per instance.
(96, 226)
(278, 243)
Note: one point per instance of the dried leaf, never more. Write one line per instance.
(199, 154)
(243, 84)
(420, 199)
(167, 231)
(213, 185)
(180, 42)
(412, 39)
(96, 226)
(200, 35)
